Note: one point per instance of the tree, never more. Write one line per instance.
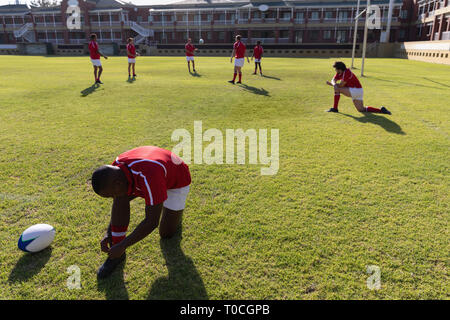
(44, 3)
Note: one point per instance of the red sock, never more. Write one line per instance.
(234, 76)
(336, 100)
(240, 77)
(118, 233)
(374, 110)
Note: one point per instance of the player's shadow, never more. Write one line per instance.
(254, 90)
(195, 74)
(271, 77)
(183, 282)
(114, 286)
(29, 265)
(131, 80)
(89, 90)
(382, 121)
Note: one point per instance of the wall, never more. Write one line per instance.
(427, 51)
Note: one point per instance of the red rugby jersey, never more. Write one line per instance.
(93, 50)
(132, 49)
(349, 77)
(257, 52)
(239, 49)
(189, 49)
(151, 171)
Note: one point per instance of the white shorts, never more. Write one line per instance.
(357, 93)
(131, 60)
(239, 62)
(96, 62)
(176, 198)
(257, 60)
(189, 58)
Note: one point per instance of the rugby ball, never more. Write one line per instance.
(36, 238)
(201, 41)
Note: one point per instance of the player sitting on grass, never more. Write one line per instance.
(190, 50)
(132, 54)
(239, 52)
(349, 86)
(95, 58)
(257, 54)
(155, 174)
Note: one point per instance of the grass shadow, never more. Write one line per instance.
(383, 122)
(271, 77)
(89, 90)
(254, 90)
(195, 74)
(184, 281)
(29, 265)
(114, 286)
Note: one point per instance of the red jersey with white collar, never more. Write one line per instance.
(350, 79)
(151, 171)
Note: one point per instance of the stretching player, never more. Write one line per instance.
(257, 54)
(190, 51)
(132, 54)
(155, 174)
(349, 86)
(95, 58)
(239, 52)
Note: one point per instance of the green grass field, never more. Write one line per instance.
(351, 190)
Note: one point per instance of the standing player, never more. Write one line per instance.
(155, 174)
(190, 50)
(239, 52)
(257, 54)
(132, 54)
(95, 58)
(349, 86)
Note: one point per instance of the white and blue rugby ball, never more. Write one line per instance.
(36, 238)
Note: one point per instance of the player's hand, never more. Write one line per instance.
(329, 83)
(231, 60)
(106, 243)
(105, 57)
(116, 250)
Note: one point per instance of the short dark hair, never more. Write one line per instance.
(93, 35)
(339, 65)
(258, 42)
(129, 39)
(100, 178)
(238, 37)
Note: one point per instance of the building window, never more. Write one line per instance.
(286, 16)
(222, 17)
(139, 18)
(209, 35)
(150, 18)
(314, 35)
(300, 15)
(341, 36)
(222, 35)
(315, 15)
(343, 15)
(328, 14)
(327, 35)
(404, 14)
(210, 17)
